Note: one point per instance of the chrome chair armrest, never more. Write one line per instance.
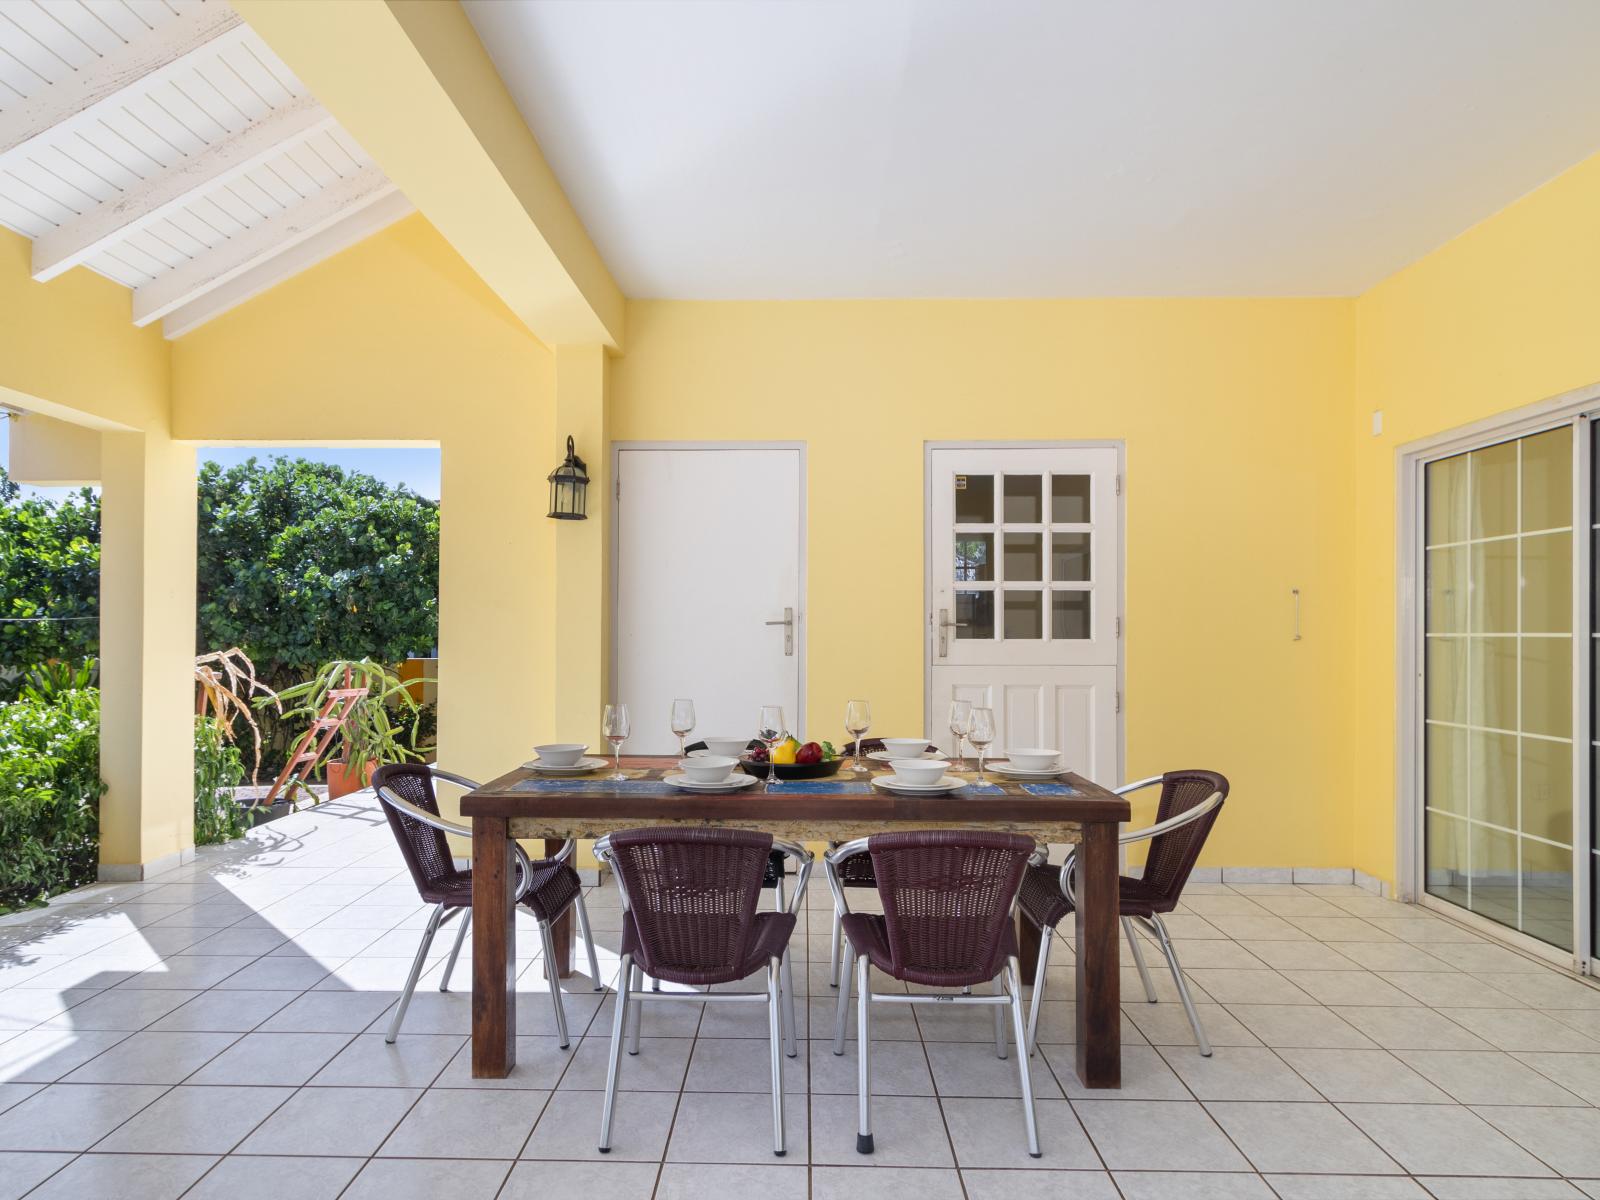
(1129, 788)
(568, 849)
(1040, 856)
(804, 861)
(831, 862)
(461, 781)
(524, 865)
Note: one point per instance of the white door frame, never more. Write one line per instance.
(1576, 407)
(802, 601)
(1118, 583)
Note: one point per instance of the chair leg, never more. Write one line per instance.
(1183, 988)
(416, 974)
(638, 1011)
(1046, 936)
(775, 1036)
(1024, 1075)
(1138, 959)
(554, 977)
(999, 1019)
(790, 1044)
(619, 1020)
(455, 950)
(588, 941)
(834, 947)
(841, 1016)
(863, 1055)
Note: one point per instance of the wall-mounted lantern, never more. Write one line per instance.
(569, 484)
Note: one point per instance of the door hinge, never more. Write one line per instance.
(1119, 485)
(619, 487)
(1119, 627)
(1118, 707)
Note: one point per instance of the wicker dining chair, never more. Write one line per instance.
(948, 898)
(547, 888)
(1190, 804)
(690, 916)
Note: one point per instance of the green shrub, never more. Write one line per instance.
(218, 768)
(50, 791)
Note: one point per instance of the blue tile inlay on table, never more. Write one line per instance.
(1051, 789)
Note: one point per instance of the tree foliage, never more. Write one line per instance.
(49, 577)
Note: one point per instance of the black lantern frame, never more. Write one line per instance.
(569, 486)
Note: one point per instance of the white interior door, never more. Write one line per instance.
(1024, 597)
(710, 546)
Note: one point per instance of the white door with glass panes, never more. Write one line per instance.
(1024, 598)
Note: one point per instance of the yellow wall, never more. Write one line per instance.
(1235, 415)
(1505, 315)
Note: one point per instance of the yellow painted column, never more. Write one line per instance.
(147, 624)
(583, 550)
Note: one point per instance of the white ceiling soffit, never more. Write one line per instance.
(163, 145)
(1051, 148)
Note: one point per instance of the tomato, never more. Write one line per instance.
(811, 752)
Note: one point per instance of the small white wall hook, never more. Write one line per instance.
(1295, 592)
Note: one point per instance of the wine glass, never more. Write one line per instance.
(769, 728)
(960, 716)
(857, 720)
(616, 730)
(980, 732)
(682, 721)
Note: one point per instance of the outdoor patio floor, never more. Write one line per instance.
(217, 1032)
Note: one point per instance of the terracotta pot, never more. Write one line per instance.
(342, 781)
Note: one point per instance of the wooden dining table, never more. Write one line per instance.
(522, 804)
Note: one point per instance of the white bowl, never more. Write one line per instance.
(708, 768)
(906, 747)
(919, 770)
(560, 754)
(1034, 760)
(728, 747)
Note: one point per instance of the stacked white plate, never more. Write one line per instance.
(892, 783)
(1004, 767)
(582, 767)
(732, 783)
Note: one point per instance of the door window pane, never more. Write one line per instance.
(1069, 557)
(1024, 616)
(974, 557)
(1547, 686)
(1546, 789)
(1446, 770)
(1547, 583)
(1446, 675)
(1492, 868)
(1446, 610)
(1024, 500)
(1492, 696)
(1069, 499)
(1494, 778)
(1547, 891)
(1069, 616)
(1547, 480)
(1447, 858)
(975, 614)
(1447, 500)
(1494, 586)
(974, 499)
(1025, 556)
(1494, 490)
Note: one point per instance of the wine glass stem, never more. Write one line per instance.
(772, 767)
(980, 764)
(858, 752)
(680, 745)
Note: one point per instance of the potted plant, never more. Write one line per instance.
(380, 719)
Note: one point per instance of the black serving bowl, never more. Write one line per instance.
(816, 770)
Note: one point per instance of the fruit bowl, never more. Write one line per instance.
(816, 770)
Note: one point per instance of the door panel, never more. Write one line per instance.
(702, 632)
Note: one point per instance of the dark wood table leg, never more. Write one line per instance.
(561, 931)
(494, 951)
(1099, 1029)
(1028, 938)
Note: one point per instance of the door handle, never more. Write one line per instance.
(945, 626)
(788, 631)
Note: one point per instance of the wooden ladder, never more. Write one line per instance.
(335, 712)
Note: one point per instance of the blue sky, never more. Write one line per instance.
(417, 469)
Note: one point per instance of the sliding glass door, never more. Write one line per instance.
(1498, 707)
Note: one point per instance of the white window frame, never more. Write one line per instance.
(1577, 408)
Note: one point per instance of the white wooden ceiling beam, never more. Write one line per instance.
(222, 264)
(159, 196)
(341, 235)
(141, 63)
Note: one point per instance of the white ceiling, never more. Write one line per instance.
(1059, 148)
(161, 144)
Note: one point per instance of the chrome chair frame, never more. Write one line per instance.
(443, 914)
(1007, 994)
(1153, 924)
(631, 993)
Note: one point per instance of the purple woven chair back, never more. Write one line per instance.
(424, 848)
(947, 898)
(1172, 855)
(693, 895)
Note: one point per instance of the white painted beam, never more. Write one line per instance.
(144, 204)
(341, 235)
(57, 109)
(206, 272)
